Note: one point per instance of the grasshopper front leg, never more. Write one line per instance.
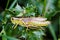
(15, 26)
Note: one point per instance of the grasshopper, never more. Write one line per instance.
(33, 22)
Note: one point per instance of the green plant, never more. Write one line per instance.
(33, 8)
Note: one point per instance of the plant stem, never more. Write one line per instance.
(43, 11)
(12, 5)
(7, 4)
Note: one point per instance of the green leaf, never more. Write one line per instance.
(49, 8)
(52, 32)
(3, 33)
(18, 8)
(9, 38)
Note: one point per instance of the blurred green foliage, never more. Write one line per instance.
(34, 8)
